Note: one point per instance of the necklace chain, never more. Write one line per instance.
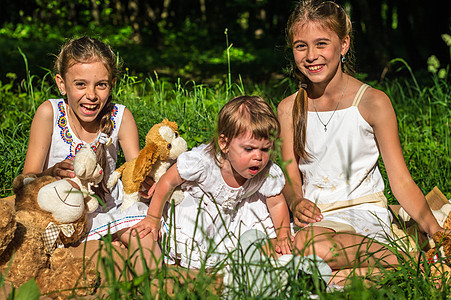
(316, 111)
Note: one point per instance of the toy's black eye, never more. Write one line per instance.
(176, 134)
(169, 146)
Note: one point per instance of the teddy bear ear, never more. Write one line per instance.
(21, 180)
(171, 124)
(143, 165)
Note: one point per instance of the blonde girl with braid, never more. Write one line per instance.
(333, 131)
(86, 71)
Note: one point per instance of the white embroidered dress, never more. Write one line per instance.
(343, 176)
(213, 215)
(65, 144)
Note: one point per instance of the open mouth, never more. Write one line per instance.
(254, 170)
(89, 108)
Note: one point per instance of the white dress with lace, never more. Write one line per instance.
(65, 144)
(213, 215)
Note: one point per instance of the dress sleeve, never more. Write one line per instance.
(191, 165)
(274, 182)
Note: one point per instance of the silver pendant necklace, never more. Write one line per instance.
(316, 111)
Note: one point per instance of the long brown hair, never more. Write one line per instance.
(335, 18)
(84, 50)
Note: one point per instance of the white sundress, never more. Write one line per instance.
(343, 176)
(213, 215)
(65, 144)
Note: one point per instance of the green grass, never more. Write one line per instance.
(423, 112)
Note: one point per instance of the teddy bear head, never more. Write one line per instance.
(86, 166)
(51, 205)
(165, 137)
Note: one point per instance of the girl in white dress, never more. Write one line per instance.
(86, 72)
(230, 186)
(333, 131)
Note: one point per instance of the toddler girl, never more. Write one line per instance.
(230, 186)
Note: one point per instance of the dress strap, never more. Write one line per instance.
(359, 94)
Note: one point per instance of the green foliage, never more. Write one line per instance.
(28, 291)
(423, 111)
(424, 129)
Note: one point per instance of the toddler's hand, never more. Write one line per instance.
(149, 224)
(63, 169)
(305, 211)
(283, 244)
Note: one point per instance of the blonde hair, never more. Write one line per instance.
(85, 50)
(242, 114)
(334, 17)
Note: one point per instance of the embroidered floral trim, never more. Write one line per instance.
(66, 135)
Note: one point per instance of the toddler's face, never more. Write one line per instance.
(246, 155)
(88, 88)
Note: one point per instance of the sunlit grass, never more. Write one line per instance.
(423, 111)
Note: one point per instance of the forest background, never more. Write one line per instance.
(184, 59)
(185, 38)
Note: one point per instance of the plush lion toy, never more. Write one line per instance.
(163, 146)
(49, 214)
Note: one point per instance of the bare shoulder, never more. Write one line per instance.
(375, 105)
(128, 124)
(286, 105)
(45, 108)
(44, 112)
(128, 116)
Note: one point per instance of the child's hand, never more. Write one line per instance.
(283, 244)
(63, 169)
(147, 187)
(149, 224)
(305, 211)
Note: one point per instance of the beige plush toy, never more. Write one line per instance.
(440, 242)
(163, 146)
(88, 175)
(48, 215)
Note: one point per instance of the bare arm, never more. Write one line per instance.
(304, 210)
(280, 216)
(377, 109)
(128, 136)
(39, 144)
(167, 183)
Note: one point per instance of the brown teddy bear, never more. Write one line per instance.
(49, 214)
(163, 146)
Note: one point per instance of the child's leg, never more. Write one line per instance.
(343, 250)
(342, 277)
(95, 250)
(142, 251)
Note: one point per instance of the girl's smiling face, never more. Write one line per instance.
(245, 158)
(88, 87)
(317, 50)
